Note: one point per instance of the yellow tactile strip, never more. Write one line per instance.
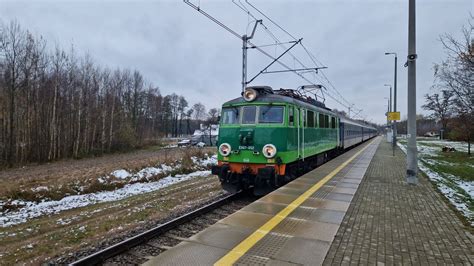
(233, 255)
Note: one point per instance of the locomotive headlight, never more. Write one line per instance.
(250, 94)
(224, 149)
(269, 151)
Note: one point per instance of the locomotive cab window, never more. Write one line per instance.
(248, 114)
(270, 114)
(231, 116)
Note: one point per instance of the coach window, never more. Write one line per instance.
(333, 122)
(310, 119)
(248, 114)
(270, 114)
(321, 120)
(326, 121)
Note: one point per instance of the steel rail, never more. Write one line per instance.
(123, 246)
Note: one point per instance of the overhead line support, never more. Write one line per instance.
(246, 44)
(245, 41)
(212, 18)
(274, 60)
(291, 70)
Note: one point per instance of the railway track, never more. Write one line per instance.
(136, 249)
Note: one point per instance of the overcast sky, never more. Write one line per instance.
(181, 51)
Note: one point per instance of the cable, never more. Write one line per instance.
(243, 8)
(270, 20)
(311, 56)
(278, 42)
(213, 19)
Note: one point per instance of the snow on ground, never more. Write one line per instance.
(449, 185)
(458, 145)
(28, 209)
(149, 172)
(40, 188)
(121, 174)
(170, 146)
(207, 162)
(31, 209)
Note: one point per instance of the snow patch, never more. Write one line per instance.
(209, 161)
(451, 194)
(442, 180)
(40, 188)
(31, 210)
(171, 146)
(121, 174)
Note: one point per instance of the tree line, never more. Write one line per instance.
(55, 104)
(452, 103)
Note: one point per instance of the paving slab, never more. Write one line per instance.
(185, 253)
(301, 237)
(390, 222)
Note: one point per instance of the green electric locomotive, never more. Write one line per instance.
(269, 137)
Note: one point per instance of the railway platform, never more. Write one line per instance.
(354, 209)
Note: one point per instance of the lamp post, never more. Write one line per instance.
(388, 85)
(412, 160)
(390, 124)
(394, 142)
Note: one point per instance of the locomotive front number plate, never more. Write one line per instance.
(246, 147)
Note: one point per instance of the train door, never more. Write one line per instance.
(298, 130)
(303, 122)
(340, 138)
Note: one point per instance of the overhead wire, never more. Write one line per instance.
(313, 58)
(243, 8)
(292, 55)
(310, 55)
(292, 70)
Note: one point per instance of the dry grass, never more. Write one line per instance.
(39, 240)
(72, 177)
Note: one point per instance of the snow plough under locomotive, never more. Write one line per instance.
(269, 137)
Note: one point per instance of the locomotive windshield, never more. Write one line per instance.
(271, 114)
(248, 116)
(231, 116)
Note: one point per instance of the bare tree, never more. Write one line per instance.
(213, 115)
(57, 104)
(182, 105)
(189, 113)
(199, 111)
(12, 47)
(440, 106)
(456, 74)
